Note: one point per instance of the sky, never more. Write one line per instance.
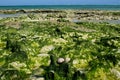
(59, 2)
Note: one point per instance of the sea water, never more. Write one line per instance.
(85, 7)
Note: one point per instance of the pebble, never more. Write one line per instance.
(60, 60)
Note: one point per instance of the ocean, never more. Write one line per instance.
(82, 7)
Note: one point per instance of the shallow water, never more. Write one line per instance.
(97, 21)
(113, 21)
(9, 15)
(12, 15)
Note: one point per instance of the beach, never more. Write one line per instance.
(59, 44)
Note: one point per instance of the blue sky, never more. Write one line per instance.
(59, 2)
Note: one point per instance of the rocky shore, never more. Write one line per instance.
(69, 15)
(57, 45)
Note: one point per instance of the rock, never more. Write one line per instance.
(40, 79)
(37, 78)
(43, 55)
(46, 49)
(67, 60)
(116, 73)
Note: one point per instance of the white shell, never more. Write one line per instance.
(60, 60)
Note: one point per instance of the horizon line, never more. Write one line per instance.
(68, 5)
